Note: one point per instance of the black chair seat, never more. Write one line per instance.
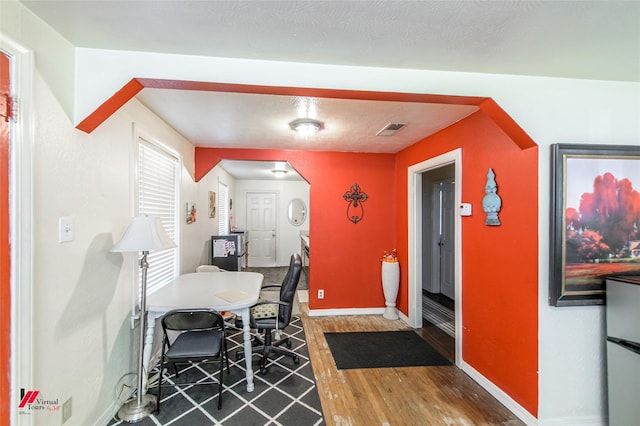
(193, 345)
(279, 321)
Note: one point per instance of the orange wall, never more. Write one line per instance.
(499, 263)
(5, 263)
(345, 257)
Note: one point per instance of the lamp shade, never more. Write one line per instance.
(145, 233)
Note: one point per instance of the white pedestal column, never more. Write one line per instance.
(390, 283)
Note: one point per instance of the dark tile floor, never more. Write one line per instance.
(286, 395)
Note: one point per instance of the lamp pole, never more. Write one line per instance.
(144, 234)
(142, 406)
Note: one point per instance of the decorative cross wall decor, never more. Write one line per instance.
(355, 198)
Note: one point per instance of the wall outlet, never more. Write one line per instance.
(66, 410)
(321, 294)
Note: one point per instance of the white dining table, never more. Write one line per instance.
(222, 291)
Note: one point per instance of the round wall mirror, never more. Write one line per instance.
(297, 212)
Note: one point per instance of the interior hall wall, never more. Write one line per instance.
(197, 236)
(499, 263)
(287, 235)
(347, 260)
(83, 342)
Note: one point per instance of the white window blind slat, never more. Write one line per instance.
(223, 209)
(158, 196)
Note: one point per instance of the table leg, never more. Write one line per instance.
(148, 347)
(246, 334)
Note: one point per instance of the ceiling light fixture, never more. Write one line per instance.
(306, 126)
(279, 173)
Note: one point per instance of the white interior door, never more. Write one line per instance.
(261, 227)
(447, 240)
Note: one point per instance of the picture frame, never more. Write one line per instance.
(594, 220)
(212, 204)
(191, 213)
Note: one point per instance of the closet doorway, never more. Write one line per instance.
(438, 256)
(435, 250)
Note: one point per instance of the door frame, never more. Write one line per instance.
(20, 223)
(277, 212)
(414, 273)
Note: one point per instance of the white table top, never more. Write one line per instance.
(215, 290)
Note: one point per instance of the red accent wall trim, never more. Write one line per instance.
(110, 106)
(131, 89)
(506, 123)
(5, 248)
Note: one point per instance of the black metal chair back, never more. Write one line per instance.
(192, 335)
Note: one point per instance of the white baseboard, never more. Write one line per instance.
(500, 395)
(108, 415)
(111, 412)
(575, 421)
(345, 311)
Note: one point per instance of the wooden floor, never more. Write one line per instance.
(395, 396)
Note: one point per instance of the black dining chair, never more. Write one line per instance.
(269, 316)
(200, 338)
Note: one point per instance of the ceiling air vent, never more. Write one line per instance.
(390, 129)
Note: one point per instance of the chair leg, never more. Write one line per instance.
(226, 355)
(159, 388)
(269, 347)
(221, 378)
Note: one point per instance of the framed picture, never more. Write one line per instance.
(212, 204)
(595, 220)
(191, 212)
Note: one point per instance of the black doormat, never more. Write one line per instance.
(379, 349)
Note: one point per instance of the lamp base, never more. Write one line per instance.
(133, 412)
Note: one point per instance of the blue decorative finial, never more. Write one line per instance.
(491, 202)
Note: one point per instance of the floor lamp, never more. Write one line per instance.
(144, 234)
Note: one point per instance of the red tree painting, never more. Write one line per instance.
(606, 222)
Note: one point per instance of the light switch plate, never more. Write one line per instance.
(65, 229)
(465, 209)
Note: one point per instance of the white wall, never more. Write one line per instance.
(197, 235)
(55, 55)
(288, 236)
(83, 343)
(83, 315)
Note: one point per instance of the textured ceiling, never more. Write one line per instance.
(571, 39)
(239, 120)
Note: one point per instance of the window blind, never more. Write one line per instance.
(223, 209)
(158, 196)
